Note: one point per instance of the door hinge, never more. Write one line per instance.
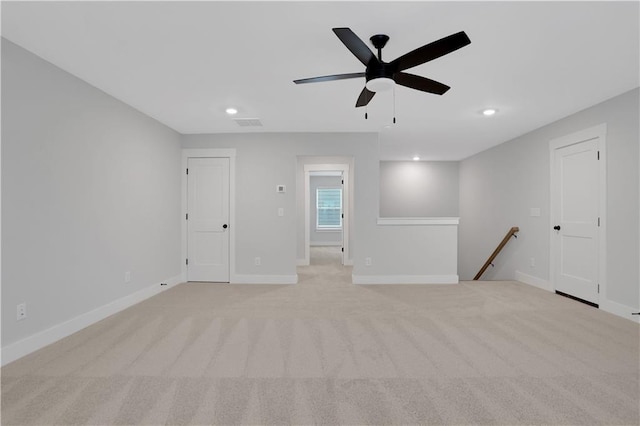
(598, 155)
(343, 181)
(187, 171)
(342, 215)
(598, 288)
(186, 216)
(598, 221)
(343, 249)
(186, 261)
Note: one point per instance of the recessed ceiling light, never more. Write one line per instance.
(489, 111)
(231, 111)
(416, 158)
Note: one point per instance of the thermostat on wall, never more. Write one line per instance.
(281, 189)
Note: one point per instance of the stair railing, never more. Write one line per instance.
(505, 240)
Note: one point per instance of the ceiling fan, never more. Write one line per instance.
(382, 75)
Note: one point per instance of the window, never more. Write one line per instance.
(329, 208)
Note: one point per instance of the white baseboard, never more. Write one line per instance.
(325, 244)
(405, 279)
(264, 279)
(534, 281)
(46, 337)
(606, 305)
(620, 310)
(303, 262)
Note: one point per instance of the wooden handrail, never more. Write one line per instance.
(505, 240)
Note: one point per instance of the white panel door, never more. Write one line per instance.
(208, 219)
(575, 219)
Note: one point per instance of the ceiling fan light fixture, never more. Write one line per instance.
(231, 111)
(489, 112)
(380, 84)
(416, 158)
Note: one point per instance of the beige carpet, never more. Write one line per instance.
(328, 352)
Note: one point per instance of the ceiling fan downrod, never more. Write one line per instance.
(379, 41)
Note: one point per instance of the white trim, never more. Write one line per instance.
(346, 195)
(265, 279)
(418, 221)
(598, 132)
(405, 279)
(211, 153)
(533, 281)
(325, 244)
(620, 310)
(51, 335)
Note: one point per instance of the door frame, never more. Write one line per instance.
(210, 153)
(344, 168)
(596, 132)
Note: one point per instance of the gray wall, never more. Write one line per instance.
(322, 238)
(90, 189)
(419, 189)
(500, 185)
(264, 160)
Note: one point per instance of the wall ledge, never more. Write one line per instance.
(39, 340)
(420, 221)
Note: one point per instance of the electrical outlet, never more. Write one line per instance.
(22, 311)
(127, 277)
(367, 261)
(257, 261)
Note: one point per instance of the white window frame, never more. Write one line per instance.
(321, 228)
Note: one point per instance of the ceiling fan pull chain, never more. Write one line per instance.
(366, 107)
(394, 104)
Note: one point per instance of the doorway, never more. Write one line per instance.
(326, 217)
(578, 191)
(326, 210)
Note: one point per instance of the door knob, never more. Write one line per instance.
(557, 227)
(225, 226)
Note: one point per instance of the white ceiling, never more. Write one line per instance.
(183, 63)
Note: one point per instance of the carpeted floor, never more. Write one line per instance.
(328, 352)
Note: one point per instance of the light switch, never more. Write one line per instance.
(534, 212)
(280, 212)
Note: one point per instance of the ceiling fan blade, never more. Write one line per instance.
(431, 51)
(329, 78)
(355, 45)
(420, 83)
(364, 98)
